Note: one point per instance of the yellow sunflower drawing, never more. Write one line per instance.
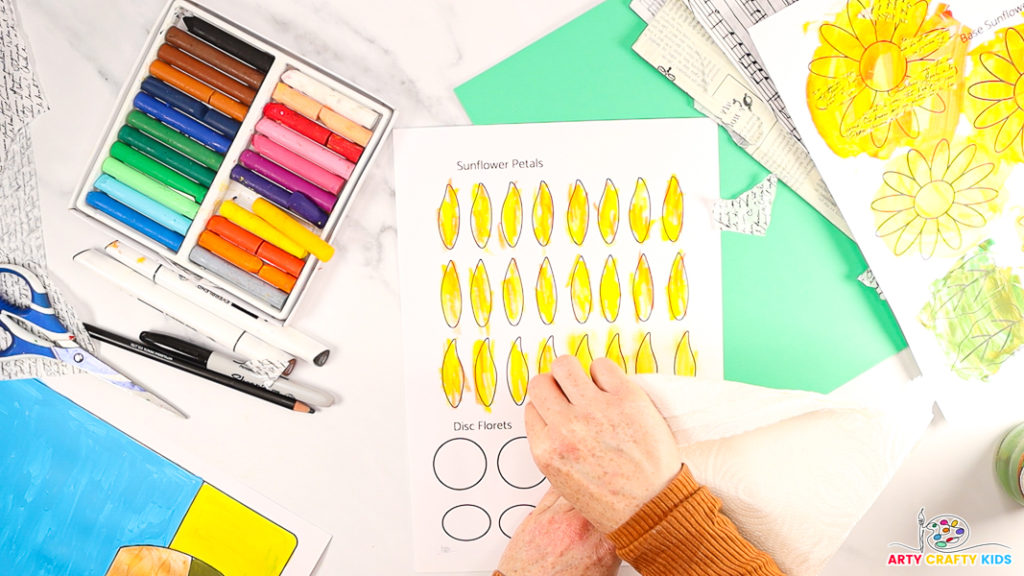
(936, 197)
(885, 73)
(995, 93)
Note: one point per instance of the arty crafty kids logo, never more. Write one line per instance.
(943, 541)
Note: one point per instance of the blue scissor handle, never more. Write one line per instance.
(40, 312)
(23, 342)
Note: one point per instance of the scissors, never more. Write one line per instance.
(36, 331)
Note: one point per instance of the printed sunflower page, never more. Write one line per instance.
(520, 243)
(913, 112)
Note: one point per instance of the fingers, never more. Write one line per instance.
(575, 383)
(547, 501)
(608, 376)
(546, 396)
(535, 424)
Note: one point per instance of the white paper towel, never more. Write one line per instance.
(796, 470)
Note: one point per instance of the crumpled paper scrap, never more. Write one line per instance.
(867, 278)
(750, 212)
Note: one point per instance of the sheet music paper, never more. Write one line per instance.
(646, 9)
(677, 45)
(727, 21)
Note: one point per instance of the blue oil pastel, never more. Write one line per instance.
(73, 489)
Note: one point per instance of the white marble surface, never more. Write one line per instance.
(345, 469)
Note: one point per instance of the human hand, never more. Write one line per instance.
(556, 540)
(599, 439)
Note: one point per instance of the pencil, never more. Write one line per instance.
(153, 354)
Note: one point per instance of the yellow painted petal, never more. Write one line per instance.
(1010, 132)
(834, 66)
(583, 353)
(1015, 48)
(448, 217)
(453, 377)
(608, 212)
(611, 291)
(547, 295)
(967, 216)
(896, 222)
(976, 195)
(543, 215)
(855, 110)
(842, 40)
(911, 25)
(961, 163)
(480, 224)
(678, 289)
(999, 67)
(578, 215)
(614, 352)
(893, 203)
(672, 210)
(546, 355)
(517, 372)
(643, 290)
(640, 211)
(862, 28)
(646, 363)
(929, 238)
(480, 294)
(512, 216)
(991, 90)
(918, 166)
(973, 177)
(940, 160)
(908, 236)
(900, 182)
(485, 376)
(451, 295)
(512, 292)
(579, 290)
(925, 45)
(995, 114)
(686, 362)
(949, 231)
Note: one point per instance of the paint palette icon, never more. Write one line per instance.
(948, 532)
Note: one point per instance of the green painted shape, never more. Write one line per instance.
(794, 314)
(977, 314)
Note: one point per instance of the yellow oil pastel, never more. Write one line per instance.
(886, 75)
(579, 290)
(547, 294)
(583, 353)
(480, 224)
(512, 290)
(646, 363)
(995, 93)
(518, 372)
(643, 290)
(678, 288)
(480, 294)
(937, 201)
(485, 377)
(640, 211)
(608, 212)
(546, 355)
(543, 214)
(578, 215)
(614, 352)
(686, 362)
(672, 210)
(453, 376)
(448, 217)
(512, 216)
(611, 291)
(451, 295)
(231, 537)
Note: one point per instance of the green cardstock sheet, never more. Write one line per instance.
(794, 314)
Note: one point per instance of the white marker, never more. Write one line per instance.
(286, 338)
(217, 329)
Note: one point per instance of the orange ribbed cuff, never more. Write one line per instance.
(680, 532)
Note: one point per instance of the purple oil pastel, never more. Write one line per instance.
(288, 180)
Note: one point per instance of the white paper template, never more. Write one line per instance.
(473, 479)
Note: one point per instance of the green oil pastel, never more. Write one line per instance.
(977, 314)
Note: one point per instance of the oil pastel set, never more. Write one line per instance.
(233, 158)
(520, 243)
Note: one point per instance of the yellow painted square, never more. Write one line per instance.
(231, 537)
